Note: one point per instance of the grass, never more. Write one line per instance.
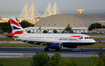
(16, 61)
(81, 61)
(99, 38)
(96, 45)
(21, 45)
(6, 39)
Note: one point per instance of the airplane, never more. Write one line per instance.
(52, 41)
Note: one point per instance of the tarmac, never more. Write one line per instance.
(16, 52)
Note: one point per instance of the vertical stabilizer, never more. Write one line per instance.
(16, 27)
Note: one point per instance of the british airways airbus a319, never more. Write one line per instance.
(53, 41)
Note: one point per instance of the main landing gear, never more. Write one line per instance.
(46, 49)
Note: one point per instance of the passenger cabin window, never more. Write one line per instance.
(88, 38)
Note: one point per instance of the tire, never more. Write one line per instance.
(46, 49)
(61, 46)
(57, 49)
(81, 50)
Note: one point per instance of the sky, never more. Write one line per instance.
(65, 6)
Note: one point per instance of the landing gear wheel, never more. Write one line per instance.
(81, 49)
(61, 46)
(46, 49)
(57, 49)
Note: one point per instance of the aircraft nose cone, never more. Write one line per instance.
(93, 41)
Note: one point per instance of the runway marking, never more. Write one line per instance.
(16, 52)
(10, 55)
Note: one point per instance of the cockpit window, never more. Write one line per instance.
(88, 38)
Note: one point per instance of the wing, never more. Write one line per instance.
(40, 41)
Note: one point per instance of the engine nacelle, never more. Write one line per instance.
(54, 45)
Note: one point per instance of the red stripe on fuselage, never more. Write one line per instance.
(77, 36)
(13, 22)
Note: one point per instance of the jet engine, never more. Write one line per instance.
(55, 46)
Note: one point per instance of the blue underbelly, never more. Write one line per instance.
(77, 43)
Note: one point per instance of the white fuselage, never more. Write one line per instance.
(61, 38)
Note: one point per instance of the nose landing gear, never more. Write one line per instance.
(81, 48)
